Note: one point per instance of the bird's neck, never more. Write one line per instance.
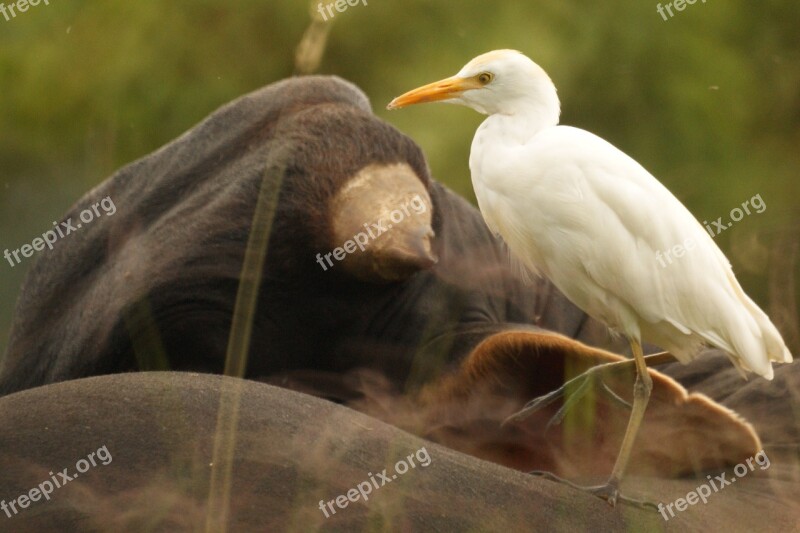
(501, 135)
(526, 117)
(521, 125)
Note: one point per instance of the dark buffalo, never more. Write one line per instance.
(154, 285)
(293, 454)
(422, 324)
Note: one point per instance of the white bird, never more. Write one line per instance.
(574, 208)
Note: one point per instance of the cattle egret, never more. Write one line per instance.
(574, 208)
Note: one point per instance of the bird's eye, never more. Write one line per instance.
(485, 77)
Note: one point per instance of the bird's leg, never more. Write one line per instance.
(641, 395)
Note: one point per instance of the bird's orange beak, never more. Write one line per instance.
(434, 92)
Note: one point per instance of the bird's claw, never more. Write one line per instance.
(608, 492)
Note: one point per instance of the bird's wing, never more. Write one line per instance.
(601, 215)
(486, 203)
(490, 203)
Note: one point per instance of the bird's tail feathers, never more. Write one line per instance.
(775, 347)
(750, 338)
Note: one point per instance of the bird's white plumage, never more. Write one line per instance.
(578, 210)
(591, 219)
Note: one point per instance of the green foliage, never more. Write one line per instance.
(709, 100)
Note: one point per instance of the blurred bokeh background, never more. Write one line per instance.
(708, 100)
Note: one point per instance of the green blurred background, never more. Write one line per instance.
(709, 100)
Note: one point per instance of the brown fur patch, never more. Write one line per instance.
(682, 433)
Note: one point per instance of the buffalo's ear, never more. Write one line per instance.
(384, 214)
(681, 434)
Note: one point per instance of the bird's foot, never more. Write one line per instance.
(608, 492)
(573, 390)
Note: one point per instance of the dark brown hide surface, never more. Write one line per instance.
(293, 450)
